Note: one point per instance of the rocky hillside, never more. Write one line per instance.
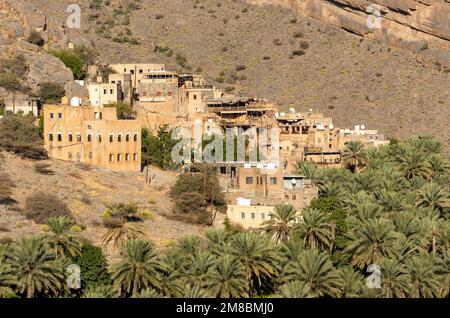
(266, 51)
(411, 24)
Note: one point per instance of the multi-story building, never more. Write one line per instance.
(92, 135)
(137, 70)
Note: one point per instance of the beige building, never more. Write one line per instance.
(137, 70)
(101, 94)
(249, 216)
(92, 135)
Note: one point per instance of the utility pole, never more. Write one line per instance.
(204, 182)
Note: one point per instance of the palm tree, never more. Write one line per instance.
(390, 201)
(195, 292)
(228, 278)
(317, 271)
(218, 241)
(7, 280)
(438, 165)
(294, 289)
(120, 232)
(138, 268)
(189, 245)
(281, 223)
(433, 196)
(258, 254)
(352, 283)
(423, 276)
(315, 231)
(148, 293)
(394, 281)
(35, 266)
(173, 277)
(60, 239)
(198, 266)
(370, 241)
(413, 163)
(99, 291)
(355, 156)
(310, 171)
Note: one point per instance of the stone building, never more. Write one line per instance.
(92, 135)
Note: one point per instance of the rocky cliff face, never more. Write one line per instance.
(413, 24)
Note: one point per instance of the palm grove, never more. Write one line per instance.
(389, 206)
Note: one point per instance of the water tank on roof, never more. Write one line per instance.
(292, 110)
(75, 101)
(331, 126)
(363, 127)
(320, 127)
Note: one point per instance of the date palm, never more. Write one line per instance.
(317, 271)
(423, 275)
(438, 165)
(198, 266)
(173, 277)
(355, 156)
(433, 196)
(413, 163)
(218, 241)
(138, 268)
(310, 171)
(394, 281)
(99, 291)
(282, 221)
(228, 278)
(294, 289)
(370, 241)
(148, 293)
(7, 280)
(120, 231)
(352, 283)
(35, 266)
(258, 254)
(59, 237)
(314, 230)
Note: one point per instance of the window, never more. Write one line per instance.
(294, 197)
(273, 180)
(111, 137)
(127, 137)
(263, 216)
(89, 137)
(249, 180)
(50, 136)
(127, 157)
(90, 155)
(105, 91)
(140, 71)
(242, 215)
(78, 137)
(195, 96)
(111, 157)
(135, 156)
(111, 91)
(51, 115)
(132, 71)
(99, 138)
(59, 115)
(135, 137)
(69, 155)
(119, 157)
(252, 215)
(70, 137)
(119, 137)
(59, 137)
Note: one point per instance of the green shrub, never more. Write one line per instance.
(76, 228)
(36, 38)
(73, 61)
(50, 92)
(147, 215)
(19, 134)
(93, 266)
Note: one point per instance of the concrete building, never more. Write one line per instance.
(101, 94)
(137, 70)
(21, 103)
(92, 135)
(369, 137)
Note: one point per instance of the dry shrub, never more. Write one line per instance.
(41, 206)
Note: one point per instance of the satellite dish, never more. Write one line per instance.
(292, 110)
